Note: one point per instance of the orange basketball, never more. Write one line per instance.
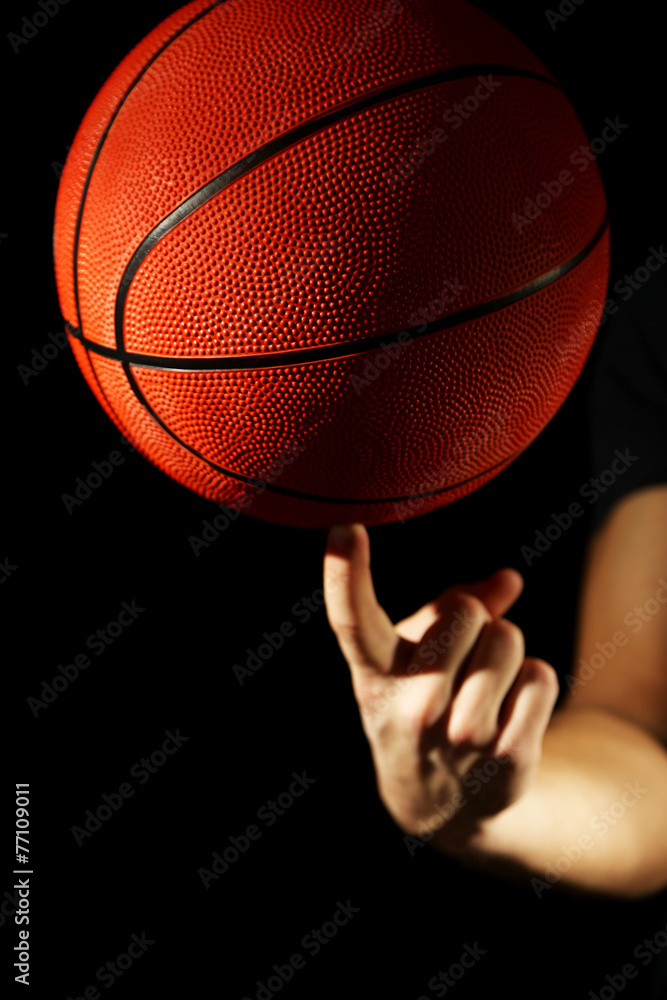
(331, 264)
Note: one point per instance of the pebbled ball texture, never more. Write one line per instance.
(331, 268)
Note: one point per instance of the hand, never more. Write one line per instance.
(454, 712)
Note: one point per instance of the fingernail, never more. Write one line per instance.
(341, 539)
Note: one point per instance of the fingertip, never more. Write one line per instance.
(518, 578)
(541, 671)
(342, 538)
(497, 592)
(496, 574)
(510, 587)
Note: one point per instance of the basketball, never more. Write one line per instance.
(326, 264)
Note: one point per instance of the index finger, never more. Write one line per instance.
(364, 631)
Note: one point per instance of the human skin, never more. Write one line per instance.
(441, 710)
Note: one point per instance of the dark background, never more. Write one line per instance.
(173, 667)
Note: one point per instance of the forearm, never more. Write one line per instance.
(595, 819)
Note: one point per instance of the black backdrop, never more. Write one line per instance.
(171, 669)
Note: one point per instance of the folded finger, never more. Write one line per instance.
(440, 656)
(489, 674)
(497, 592)
(529, 705)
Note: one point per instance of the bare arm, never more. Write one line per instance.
(467, 753)
(603, 772)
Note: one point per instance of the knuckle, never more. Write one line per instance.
(508, 633)
(348, 632)
(471, 732)
(542, 672)
(413, 718)
(482, 736)
(413, 722)
(337, 575)
(431, 712)
(508, 753)
(376, 702)
(466, 607)
(378, 723)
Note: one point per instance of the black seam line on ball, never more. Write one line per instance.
(307, 355)
(103, 138)
(285, 141)
(296, 494)
(91, 167)
(141, 399)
